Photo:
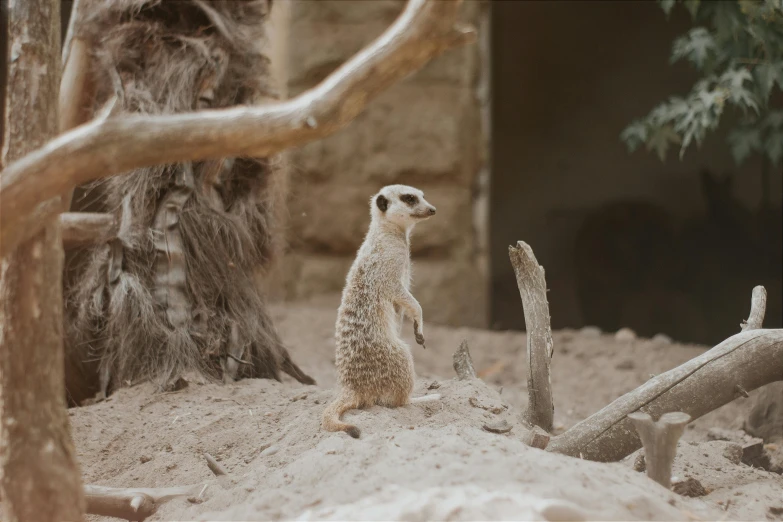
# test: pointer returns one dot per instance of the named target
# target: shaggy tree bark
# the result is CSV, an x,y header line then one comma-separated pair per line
x,y
40,476
425,29
540,347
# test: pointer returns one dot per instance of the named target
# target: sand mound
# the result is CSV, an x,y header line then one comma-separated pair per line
x,y
428,461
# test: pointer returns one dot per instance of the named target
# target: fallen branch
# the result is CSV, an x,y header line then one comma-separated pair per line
x,y
532,289
134,504
750,359
424,30
87,228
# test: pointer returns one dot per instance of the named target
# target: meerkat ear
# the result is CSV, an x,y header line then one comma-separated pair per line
x,y
382,203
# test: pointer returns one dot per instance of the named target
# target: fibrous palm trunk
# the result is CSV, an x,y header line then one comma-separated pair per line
x,y
176,290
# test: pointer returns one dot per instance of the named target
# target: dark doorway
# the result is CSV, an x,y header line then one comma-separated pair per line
x,y
625,239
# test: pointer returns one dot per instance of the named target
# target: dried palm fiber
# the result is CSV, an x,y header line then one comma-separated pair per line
x,y
176,291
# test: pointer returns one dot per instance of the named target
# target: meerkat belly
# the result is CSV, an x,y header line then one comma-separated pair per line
x,y
370,357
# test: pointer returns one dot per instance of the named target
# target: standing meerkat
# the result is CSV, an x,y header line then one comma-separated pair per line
x,y
374,365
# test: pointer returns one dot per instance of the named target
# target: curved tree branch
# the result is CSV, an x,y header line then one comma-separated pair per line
x,y
425,29
758,309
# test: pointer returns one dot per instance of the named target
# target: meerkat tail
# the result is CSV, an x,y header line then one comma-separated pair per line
x,y
332,414
425,398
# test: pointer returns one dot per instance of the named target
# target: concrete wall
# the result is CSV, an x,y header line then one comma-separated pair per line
x,y
426,131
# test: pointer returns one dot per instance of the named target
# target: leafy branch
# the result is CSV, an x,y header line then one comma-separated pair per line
x,y
737,46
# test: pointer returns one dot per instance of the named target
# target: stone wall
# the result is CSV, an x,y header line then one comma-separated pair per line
x,y
427,131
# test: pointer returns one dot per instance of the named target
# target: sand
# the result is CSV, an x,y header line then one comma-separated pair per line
x,y
429,461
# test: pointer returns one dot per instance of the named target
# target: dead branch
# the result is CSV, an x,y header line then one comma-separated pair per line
x,y
532,289
660,442
425,29
87,228
214,466
133,503
758,309
463,364
749,359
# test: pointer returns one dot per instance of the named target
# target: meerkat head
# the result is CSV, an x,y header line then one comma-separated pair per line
x,y
402,205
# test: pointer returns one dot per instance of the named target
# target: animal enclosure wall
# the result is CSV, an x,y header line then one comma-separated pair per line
x,y
426,131
625,239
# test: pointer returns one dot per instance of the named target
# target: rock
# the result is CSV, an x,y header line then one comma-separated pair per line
x,y
624,335
752,451
591,332
733,452
690,487
271,450
639,463
498,427
765,419
662,339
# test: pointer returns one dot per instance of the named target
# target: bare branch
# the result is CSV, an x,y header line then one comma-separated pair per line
x,y
133,503
532,289
87,228
758,308
424,30
749,359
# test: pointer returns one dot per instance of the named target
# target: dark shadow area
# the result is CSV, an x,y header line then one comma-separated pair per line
x,y
626,240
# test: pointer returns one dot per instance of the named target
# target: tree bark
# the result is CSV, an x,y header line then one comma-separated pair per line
x,y
87,228
40,476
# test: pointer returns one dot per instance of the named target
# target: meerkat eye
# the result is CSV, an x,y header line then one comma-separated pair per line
x,y
409,199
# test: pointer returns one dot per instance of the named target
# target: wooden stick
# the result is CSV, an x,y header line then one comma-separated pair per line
x,y
540,347
758,309
132,503
463,364
87,228
750,359
660,442
215,466
424,30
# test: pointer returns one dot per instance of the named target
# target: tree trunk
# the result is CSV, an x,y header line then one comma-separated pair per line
x,y
40,477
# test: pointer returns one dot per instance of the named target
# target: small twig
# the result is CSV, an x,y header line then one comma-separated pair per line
x,y
215,466
131,503
237,359
660,442
741,391
463,364
758,308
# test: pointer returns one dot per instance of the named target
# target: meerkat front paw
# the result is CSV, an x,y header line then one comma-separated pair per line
x,y
419,335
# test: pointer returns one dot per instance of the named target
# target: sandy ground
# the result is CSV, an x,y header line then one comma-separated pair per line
x,y
430,461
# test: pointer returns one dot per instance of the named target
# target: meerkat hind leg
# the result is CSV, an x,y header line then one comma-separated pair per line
x,y
425,398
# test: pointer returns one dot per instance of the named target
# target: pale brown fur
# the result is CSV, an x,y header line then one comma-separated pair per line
x,y
374,365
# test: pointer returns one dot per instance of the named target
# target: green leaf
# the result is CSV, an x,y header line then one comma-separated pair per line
x,y
767,75
666,5
696,46
744,141
734,81
634,135
660,140
774,147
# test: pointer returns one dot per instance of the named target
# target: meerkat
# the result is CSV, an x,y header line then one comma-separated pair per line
x,y
374,364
